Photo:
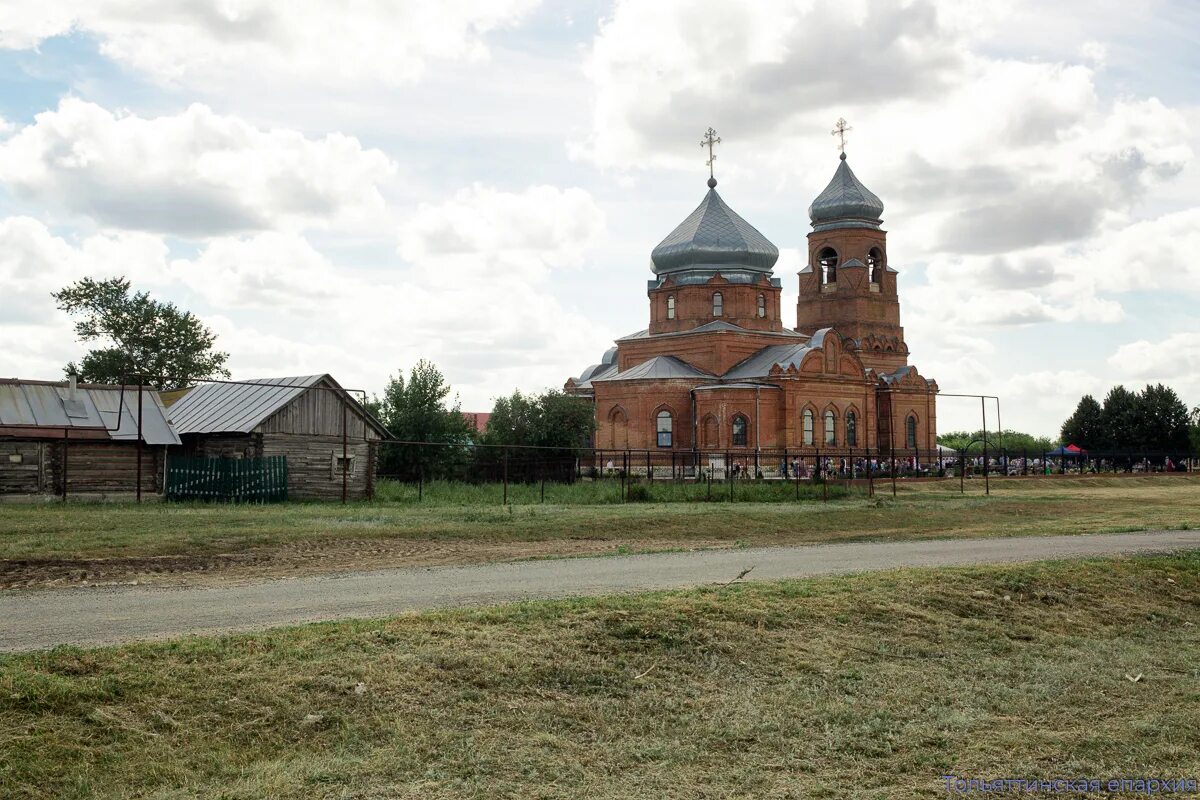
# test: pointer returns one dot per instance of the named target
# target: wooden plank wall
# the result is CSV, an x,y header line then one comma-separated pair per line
x,y
317,412
106,468
93,468
310,462
22,467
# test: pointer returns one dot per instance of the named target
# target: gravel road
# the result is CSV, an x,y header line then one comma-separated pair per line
x,y
95,616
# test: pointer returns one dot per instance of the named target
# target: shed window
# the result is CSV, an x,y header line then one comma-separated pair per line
x,y
830,428
718,305
665,426
851,429
670,306
808,426
910,431
739,431
762,306
338,464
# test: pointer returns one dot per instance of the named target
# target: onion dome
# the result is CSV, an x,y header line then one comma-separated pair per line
x,y
845,203
714,239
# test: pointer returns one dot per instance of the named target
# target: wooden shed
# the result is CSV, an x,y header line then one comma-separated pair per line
x,y
81,440
310,420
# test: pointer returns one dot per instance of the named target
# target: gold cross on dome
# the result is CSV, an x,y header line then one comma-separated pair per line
x,y
839,130
710,138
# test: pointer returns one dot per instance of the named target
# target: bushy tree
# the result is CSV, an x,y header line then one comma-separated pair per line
x,y
1119,420
1162,420
418,409
1014,441
1194,431
1154,420
1084,427
552,419
555,422
145,339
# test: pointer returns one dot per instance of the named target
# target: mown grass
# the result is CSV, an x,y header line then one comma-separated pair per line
x,y
610,492
921,510
862,686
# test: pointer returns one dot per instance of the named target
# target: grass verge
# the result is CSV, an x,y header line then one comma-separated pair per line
x,y
861,686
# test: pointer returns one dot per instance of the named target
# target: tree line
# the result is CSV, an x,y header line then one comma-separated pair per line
x,y
1154,420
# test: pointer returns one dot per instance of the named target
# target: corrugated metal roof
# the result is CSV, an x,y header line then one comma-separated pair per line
x,y
241,407
45,404
658,367
236,407
759,365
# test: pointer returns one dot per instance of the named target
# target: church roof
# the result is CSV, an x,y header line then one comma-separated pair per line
x,y
659,367
845,203
711,238
759,365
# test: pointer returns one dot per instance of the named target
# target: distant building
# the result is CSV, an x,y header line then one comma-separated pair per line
x,y
310,420
477,420
80,440
717,369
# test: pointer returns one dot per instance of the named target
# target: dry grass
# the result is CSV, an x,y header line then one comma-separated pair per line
x,y
863,686
1048,506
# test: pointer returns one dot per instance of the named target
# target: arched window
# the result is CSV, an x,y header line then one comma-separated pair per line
x,y
875,264
808,426
718,304
762,306
851,429
665,426
830,428
670,306
910,431
739,431
827,262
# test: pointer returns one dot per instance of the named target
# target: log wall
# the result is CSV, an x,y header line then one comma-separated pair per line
x,y
313,466
92,468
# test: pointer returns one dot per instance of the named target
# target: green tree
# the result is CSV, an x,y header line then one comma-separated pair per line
x,y
419,410
1162,420
166,346
552,419
1119,426
1014,442
1084,427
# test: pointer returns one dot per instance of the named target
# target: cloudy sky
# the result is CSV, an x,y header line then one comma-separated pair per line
x,y
348,187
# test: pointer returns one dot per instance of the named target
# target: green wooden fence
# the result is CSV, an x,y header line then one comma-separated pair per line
x,y
227,480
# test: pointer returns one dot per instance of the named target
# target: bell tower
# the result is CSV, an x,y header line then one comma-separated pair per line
x,y
847,284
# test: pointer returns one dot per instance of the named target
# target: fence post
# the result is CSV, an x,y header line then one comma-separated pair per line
x,y
729,475
66,447
505,477
139,440
345,456
892,450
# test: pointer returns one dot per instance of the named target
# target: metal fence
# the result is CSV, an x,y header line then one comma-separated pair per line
x,y
227,480
865,469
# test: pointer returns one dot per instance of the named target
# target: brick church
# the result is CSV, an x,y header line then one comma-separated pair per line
x,y
717,369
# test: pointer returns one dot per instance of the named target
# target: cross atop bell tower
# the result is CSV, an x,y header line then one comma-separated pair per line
x,y
839,130
710,139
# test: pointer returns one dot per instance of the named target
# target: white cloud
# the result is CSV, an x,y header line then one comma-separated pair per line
x,y
381,41
486,231
193,174
1171,360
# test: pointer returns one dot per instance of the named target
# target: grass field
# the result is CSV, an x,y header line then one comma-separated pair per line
x,y
863,686
55,544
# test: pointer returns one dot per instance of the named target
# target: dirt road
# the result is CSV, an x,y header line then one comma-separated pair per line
x,y
92,616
